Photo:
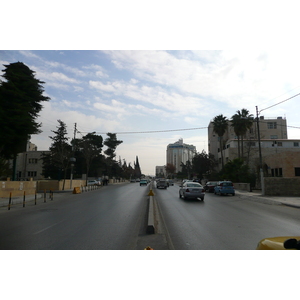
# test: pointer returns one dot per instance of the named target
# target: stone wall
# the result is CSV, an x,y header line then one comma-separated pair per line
x,y
282,186
242,186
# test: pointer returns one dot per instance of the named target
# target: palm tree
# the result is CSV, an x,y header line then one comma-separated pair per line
x,y
220,124
236,124
241,122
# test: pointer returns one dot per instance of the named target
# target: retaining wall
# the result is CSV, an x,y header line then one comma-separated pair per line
x,y
282,186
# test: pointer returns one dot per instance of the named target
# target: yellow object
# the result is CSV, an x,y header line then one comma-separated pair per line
x,y
275,243
76,190
148,248
150,193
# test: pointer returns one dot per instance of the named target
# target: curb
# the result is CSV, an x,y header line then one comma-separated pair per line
x,y
151,212
151,227
262,199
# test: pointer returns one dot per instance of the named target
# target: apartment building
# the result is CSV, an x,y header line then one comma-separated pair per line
x,y
178,153
160,171
280,155
29,164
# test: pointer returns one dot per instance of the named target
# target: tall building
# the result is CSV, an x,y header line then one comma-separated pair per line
x,y
178,153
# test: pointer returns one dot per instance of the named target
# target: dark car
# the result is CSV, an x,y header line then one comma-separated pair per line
x,y
210,186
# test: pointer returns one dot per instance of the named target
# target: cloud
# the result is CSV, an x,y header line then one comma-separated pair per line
x,y
235,78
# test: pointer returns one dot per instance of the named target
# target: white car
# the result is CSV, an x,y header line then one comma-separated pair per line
x,y
93,182
190,190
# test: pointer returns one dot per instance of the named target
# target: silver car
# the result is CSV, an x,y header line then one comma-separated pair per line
x,y
189,190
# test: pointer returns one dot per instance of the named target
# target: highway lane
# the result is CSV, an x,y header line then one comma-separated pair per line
x,y
222,222
109,218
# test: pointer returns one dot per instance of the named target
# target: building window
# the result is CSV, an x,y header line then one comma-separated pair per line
x,y
32,160
272,125
296,144
297,171
32,174
276,172
273,137
279,144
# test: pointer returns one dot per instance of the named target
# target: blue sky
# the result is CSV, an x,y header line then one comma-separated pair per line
x,y
137,91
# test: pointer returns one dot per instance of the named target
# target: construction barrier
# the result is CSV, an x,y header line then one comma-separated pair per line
x,y
76,190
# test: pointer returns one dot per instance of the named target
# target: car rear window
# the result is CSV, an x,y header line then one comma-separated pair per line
x,y
227,184
193,185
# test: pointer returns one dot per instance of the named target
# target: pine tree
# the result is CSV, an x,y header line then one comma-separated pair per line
x,y
21,95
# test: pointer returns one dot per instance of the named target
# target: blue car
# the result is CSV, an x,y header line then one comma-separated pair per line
x,y
224,188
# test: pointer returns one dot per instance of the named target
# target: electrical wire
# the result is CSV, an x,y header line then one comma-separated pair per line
x,y
152,131
279,102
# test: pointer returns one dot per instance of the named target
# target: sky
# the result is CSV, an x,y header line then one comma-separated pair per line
x,y
151,98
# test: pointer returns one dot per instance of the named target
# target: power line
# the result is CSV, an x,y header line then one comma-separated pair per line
x,y
152,131
279,102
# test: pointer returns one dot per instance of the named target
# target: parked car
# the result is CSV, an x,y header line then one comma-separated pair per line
x,y
161,184
224,188
192,190
210,186
93,182
143,182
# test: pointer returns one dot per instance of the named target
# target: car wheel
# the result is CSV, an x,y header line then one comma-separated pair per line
x,y
179,195
233,194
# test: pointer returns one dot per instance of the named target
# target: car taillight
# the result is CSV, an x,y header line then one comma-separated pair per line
x,y
203,191
187,190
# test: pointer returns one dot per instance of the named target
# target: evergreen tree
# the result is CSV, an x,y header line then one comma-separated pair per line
x,y
203,163
21,95
57,162
90,146
137,169
111,143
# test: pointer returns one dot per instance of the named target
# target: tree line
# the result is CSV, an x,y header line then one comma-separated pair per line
x,y
84,156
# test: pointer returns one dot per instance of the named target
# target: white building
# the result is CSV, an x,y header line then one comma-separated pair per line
x,y
178,153
160,171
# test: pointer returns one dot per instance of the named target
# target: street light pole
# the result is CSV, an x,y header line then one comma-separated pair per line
x,y
260,156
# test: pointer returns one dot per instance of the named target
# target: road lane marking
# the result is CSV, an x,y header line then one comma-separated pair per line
x,y
47,227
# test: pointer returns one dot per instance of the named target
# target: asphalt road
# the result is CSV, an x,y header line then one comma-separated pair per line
x,y
222,222
110,218
115,218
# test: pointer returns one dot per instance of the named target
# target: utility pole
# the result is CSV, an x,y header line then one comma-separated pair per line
x,y
75,129
73,159
260,156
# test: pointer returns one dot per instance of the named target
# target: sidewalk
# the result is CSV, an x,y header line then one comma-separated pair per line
x,y
40,196
272,200
30,198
